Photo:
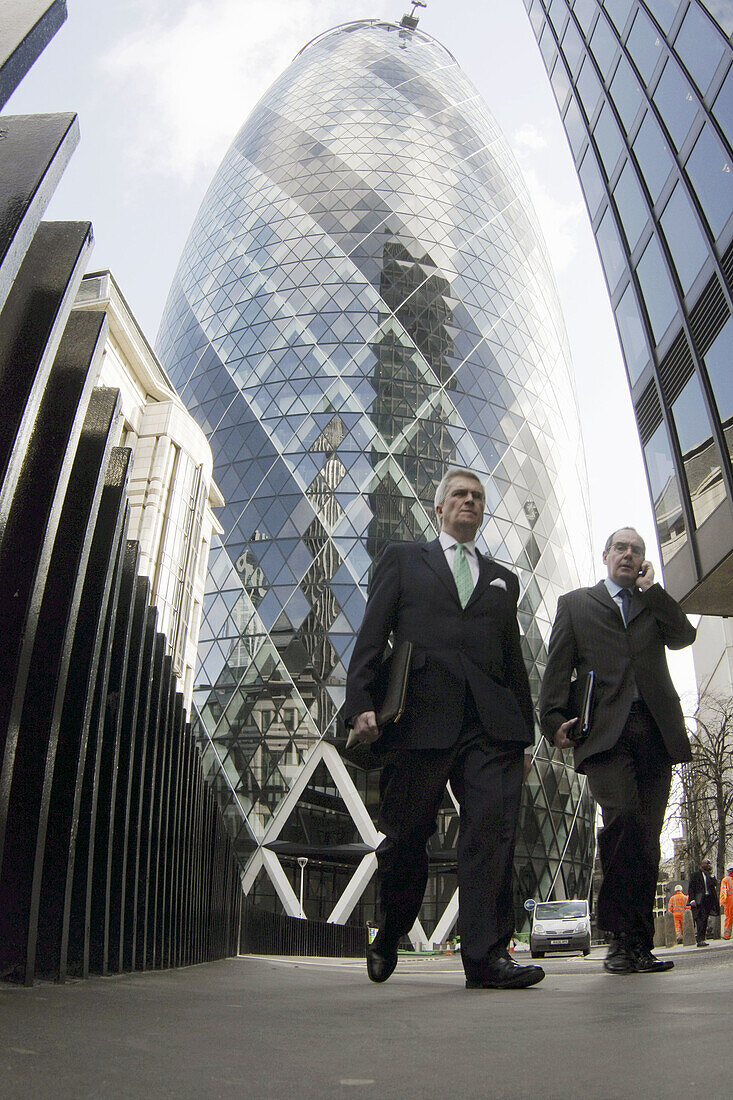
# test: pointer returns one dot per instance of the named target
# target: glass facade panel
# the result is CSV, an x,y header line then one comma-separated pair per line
x,y
574,127
604,45
685,239
700,46
709,169
608,140
366,287
585,10
558,12
722,13
626,93
700,456
618,10
572,47
718,360
676,102
631,204
663,11
723,106
560,83
645,45
591,182
659,297
665,490
653,156
589,88
609,246
631,331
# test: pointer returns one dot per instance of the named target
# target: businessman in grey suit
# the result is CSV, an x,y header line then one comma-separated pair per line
x,y
468,718
619,629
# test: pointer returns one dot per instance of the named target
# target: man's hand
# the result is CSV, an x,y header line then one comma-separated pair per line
x,y
366,728
562,741
646,576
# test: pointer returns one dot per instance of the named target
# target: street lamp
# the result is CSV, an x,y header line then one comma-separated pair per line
x,y
302,862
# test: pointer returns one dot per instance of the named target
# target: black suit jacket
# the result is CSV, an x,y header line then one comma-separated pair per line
x,y
696,893
413,596
589,633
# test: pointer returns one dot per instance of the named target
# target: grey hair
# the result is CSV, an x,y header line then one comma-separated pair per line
x,y
456,471
613,534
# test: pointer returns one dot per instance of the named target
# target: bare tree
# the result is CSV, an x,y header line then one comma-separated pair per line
x,y
706,783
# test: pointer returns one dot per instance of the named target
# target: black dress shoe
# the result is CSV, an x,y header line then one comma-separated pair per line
x,y
504,973
646,963
381,957
619,959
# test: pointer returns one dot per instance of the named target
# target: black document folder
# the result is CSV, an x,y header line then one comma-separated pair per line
x,y
390,694
581,706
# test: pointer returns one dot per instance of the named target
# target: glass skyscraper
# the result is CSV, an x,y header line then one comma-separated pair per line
x,y
645,90
365,299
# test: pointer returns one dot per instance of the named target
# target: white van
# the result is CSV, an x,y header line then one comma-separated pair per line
x,y
560,926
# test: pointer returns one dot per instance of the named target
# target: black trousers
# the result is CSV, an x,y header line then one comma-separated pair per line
x,y
702,913
631,784
486,778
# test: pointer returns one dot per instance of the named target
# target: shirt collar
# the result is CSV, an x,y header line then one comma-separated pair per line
x,y
447,541
612,587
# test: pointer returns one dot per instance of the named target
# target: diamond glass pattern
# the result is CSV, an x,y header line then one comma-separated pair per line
x,y
365,298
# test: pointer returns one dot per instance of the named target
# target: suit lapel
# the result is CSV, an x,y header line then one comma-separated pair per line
x,y
485,574
600,592
435,556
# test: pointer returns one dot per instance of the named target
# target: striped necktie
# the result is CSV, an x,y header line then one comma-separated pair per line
x,y
625,603
462,574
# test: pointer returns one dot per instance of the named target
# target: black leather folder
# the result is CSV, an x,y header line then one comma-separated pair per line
x,y
390,694
581,706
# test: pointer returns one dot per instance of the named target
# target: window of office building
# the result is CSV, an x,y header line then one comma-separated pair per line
x,y
604,44
663,11
676,102
608,139
645,45
618,10
626,93
684,237
723,106
665,490
558,13
591,182
537,17
699,454
718,359
653,156
631,331
560,82
547,47
722,13
609,246
574,127
700,46
709,169
589,87
584,12
659,297
631,205
572,46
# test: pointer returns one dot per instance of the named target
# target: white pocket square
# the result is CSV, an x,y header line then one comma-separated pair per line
x,y
498,583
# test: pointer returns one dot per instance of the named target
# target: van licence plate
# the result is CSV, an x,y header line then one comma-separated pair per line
x,y
555,942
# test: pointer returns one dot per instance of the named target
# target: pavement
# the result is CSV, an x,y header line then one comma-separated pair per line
x,y
268,1028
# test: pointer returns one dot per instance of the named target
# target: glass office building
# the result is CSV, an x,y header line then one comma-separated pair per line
x,y
365,299
645,90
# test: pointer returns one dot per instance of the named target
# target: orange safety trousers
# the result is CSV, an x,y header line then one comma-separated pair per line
x,y
726,900
676,907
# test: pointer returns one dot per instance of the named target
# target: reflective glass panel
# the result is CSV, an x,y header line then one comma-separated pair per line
x,y
722,12
700,46
548,48
684,237
709,169
700,456
589,88
665,490
653,155
723,106
718,360
537,17
626,93
663,11
609,246
644,44
560,82
604,45
558,12
591,182
631,331
574,127
618,11
659,296
572,46
631,204
676,102
608,139
584,12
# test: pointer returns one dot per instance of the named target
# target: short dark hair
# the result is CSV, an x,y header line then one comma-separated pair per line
x,y
612,536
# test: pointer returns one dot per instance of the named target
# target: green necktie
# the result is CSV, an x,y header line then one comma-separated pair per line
x,y
462,574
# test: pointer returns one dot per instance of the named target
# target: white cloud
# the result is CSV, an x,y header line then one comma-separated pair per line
x,y
190,75
529,137
563,223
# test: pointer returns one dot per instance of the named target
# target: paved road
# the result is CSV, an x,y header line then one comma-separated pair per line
x,y
272,1029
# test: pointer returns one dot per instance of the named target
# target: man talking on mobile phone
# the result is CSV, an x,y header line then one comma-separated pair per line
x,y
619,630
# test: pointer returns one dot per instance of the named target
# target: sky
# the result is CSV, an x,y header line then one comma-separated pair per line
x,y
162,86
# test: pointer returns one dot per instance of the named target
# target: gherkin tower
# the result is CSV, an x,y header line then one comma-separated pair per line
x,y
365,298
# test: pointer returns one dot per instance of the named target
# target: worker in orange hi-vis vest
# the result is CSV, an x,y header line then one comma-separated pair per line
x,y
726,900
677,906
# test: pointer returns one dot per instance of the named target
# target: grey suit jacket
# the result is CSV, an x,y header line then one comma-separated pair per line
x,y
589,633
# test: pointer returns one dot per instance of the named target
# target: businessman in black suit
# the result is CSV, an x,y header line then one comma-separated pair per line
x,y
619,629
468,718
702,894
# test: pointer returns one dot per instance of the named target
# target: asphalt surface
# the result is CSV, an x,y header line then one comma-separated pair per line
x,y
272,1028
